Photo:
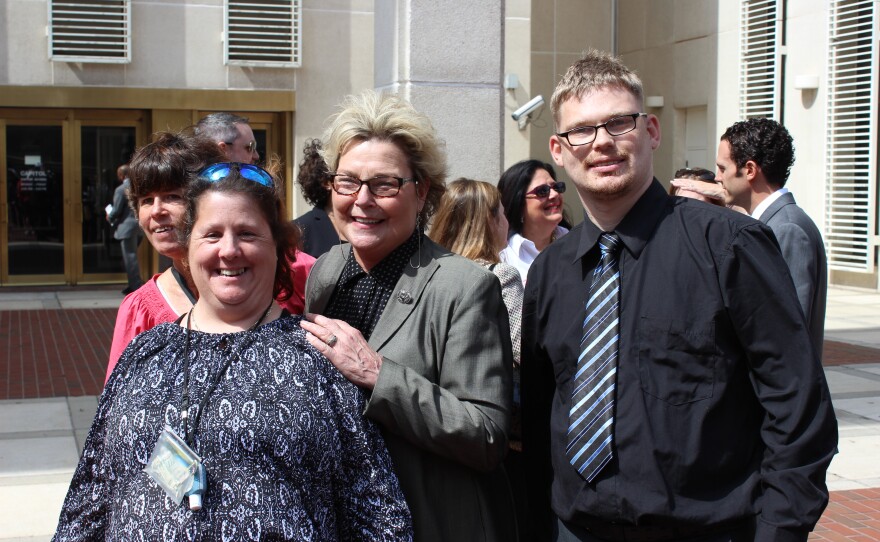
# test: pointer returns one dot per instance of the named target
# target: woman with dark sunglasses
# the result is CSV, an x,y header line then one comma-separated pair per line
x,y
160,172
532,199
227,424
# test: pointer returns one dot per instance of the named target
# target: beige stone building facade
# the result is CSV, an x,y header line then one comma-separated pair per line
x,y
73,108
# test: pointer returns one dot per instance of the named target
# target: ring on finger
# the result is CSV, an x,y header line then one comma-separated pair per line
x,y
331,342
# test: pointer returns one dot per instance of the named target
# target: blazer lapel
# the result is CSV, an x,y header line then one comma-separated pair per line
x,y
325,278
406,296
776,206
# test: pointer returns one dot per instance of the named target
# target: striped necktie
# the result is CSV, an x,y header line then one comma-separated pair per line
x,y
591,416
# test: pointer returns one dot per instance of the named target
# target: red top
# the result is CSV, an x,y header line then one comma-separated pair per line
x,y
146,307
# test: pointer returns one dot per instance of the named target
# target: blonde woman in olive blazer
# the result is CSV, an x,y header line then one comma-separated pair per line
x,y
443,393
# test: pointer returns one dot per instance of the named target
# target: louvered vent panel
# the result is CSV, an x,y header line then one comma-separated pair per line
x,y
90,31
759,64
851,152
263,33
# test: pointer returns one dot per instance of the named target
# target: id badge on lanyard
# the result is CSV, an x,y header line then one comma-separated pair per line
x,y
177,469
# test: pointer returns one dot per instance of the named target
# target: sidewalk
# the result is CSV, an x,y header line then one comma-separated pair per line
x,y
55,346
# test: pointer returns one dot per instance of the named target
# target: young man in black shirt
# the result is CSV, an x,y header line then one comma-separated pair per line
x,y
673,393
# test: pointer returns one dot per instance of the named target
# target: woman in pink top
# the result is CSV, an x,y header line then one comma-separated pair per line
x,y
159,175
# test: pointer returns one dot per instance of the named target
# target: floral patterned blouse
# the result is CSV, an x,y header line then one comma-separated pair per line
x,y
288,454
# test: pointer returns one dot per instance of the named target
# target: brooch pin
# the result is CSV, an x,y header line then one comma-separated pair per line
x,y
404,297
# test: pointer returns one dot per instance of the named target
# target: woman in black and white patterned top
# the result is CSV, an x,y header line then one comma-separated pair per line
x,y
270,435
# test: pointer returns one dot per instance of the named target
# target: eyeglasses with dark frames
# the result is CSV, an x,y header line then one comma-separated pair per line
x,y
617,126
543,191
382,186
250,147
217,172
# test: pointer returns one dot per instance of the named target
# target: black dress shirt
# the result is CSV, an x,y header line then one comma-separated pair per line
x,y
360,297
722,413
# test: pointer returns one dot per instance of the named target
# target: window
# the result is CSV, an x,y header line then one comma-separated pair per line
x,y
263,33
851,153
760,60
90,31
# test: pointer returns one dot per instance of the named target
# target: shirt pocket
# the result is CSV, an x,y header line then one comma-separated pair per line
x,y
677,360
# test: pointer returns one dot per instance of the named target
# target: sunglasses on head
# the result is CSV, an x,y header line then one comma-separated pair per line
x,y
218,172
544,190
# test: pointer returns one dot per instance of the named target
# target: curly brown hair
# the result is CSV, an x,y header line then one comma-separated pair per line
x,y
313,175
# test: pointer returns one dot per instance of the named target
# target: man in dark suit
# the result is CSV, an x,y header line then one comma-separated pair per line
x,y
127,232
754,160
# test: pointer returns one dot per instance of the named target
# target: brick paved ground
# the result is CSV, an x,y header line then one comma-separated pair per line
x,y
851,516
63,353
54,353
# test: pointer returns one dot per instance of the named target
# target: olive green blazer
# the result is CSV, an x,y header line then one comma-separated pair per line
x,y
443,395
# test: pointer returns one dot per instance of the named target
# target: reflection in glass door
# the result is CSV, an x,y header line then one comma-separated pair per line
x,y
104,149
34,178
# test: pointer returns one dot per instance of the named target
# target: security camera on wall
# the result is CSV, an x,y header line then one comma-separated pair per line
x,y
524,113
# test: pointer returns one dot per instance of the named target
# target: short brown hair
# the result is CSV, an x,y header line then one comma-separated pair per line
x,y
595,70
169,163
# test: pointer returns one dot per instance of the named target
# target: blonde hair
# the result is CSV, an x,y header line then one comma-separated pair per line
x,y
388,117
463,222
595,70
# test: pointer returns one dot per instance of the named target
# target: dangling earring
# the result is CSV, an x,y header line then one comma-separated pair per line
x,y
419,233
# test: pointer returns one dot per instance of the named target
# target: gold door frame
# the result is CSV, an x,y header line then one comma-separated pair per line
x,y
71,122
26,118
104,118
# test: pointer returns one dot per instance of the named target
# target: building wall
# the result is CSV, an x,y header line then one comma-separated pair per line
x,y
338,43
178,45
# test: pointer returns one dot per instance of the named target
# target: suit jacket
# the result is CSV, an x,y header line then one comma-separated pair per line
x,y
121,216
443,395
804,252
319,235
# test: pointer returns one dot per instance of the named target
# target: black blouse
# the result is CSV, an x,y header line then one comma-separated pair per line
x,y
360,296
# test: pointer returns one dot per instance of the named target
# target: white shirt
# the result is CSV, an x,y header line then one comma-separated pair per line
x,y
521,252
759,210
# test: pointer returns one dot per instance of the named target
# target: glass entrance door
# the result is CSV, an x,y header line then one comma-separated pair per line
x,y
34,236
59,170
103,150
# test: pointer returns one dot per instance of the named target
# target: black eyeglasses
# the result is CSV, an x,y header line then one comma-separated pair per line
x,y
544,190
217,172
584,135
383,186
250,147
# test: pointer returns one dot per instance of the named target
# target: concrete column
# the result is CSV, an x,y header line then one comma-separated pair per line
x,y
447,58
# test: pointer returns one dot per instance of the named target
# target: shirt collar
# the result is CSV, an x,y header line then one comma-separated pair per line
x,y
636,227
768,201
390,266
